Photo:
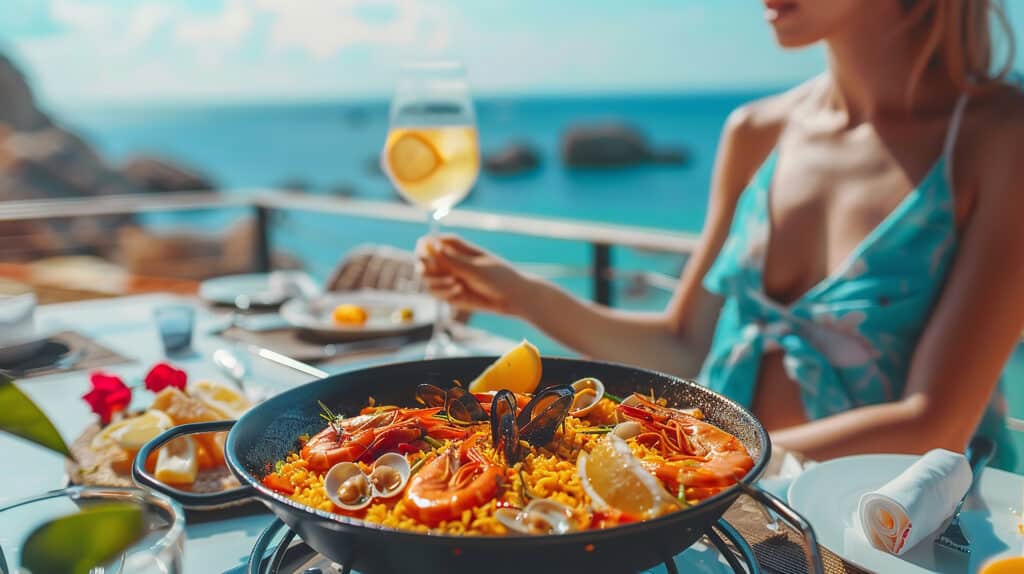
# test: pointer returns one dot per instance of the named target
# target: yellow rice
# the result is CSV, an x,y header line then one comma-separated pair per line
x,y
548,474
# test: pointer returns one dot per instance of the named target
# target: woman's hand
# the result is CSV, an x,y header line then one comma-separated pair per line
x,y
469,277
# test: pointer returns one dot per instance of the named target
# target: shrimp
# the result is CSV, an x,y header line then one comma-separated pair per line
x,y
698,456
451,482
362,438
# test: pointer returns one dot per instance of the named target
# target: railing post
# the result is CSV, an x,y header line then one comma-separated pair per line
x,y
601,273
261,243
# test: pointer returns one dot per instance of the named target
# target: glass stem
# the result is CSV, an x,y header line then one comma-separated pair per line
x,y
440,336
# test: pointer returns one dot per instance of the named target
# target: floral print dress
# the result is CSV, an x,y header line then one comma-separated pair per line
x,y
849,340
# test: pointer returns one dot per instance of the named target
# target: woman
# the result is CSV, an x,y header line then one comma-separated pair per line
x,y
860,277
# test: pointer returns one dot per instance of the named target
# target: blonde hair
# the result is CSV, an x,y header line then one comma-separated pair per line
x,y
959,37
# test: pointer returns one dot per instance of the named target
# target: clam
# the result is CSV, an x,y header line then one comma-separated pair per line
x,y
627,429
589,391
348,487
541,516
389,475
352,489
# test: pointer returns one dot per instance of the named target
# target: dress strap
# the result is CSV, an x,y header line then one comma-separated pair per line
x,y
951,134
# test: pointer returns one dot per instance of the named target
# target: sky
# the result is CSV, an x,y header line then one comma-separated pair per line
x,y
103,51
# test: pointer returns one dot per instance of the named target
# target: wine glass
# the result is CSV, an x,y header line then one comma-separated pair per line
x,y
432,154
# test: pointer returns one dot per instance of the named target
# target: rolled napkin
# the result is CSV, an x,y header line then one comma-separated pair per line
x,y
914,504
17,318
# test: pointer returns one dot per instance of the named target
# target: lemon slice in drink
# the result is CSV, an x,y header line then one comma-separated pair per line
x,y
411,158
227,401
614,478
131,433
518,370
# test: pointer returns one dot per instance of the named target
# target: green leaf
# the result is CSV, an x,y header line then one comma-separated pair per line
x,y
21,417
76,543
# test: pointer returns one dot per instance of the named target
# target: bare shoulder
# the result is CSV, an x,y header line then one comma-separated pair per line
x,y
753,129
993,137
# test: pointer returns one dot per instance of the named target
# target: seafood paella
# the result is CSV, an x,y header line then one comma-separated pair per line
x,y
549,460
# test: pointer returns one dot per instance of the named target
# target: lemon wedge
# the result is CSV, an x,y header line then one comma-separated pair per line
x,y
614,478
228,401
412,158
131,433
518,370
176,463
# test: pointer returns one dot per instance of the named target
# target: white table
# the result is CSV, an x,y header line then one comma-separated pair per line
x,y
126,326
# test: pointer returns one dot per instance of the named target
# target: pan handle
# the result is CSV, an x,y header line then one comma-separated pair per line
x,y
795,521
187,499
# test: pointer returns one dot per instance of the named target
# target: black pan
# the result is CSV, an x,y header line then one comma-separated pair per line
x,y
269,431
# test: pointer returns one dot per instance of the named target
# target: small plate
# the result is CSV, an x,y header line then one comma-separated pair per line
x,y
315,314
828,494
14,353
256,286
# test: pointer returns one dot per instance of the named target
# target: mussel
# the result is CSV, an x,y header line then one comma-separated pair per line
x,y
589,391
350,488
504,429
536,423
430,395
541,516
460,405
541,417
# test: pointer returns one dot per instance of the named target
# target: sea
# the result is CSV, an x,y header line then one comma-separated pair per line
x,y
330,146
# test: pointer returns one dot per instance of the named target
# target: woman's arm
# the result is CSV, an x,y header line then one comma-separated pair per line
x,y
675,340
973,329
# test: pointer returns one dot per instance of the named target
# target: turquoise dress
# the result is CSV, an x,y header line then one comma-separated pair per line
x,y
849,340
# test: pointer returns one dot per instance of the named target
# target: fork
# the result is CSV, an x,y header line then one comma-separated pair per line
x,y
979,452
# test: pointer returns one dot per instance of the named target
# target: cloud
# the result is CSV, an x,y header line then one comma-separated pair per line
x,y
323,28
81,16
226,28
146,20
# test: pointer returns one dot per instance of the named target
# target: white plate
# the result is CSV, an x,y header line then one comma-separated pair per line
x,y
255,286
827,495
315,314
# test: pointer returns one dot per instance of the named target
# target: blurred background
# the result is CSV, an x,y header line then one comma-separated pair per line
x,y
120,97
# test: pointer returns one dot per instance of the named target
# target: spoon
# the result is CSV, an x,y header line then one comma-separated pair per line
x,y
232,366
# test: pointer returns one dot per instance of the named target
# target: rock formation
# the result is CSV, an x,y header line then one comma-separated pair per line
x,y
514,158
613,145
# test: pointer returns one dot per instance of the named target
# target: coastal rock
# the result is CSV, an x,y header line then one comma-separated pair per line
x,y
512,159
613,145
295,184
342,189
158,174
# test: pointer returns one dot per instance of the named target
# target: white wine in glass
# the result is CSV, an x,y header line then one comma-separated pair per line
x,y
432,154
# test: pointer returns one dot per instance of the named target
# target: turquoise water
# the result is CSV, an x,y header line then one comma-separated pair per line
x,y
331,144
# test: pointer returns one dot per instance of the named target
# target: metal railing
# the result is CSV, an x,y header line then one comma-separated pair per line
x,y
602,238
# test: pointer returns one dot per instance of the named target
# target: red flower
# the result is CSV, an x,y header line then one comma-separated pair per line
x,y
163,375
108,395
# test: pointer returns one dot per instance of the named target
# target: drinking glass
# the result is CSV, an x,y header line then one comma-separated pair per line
x,y
432,154
174,323
160,551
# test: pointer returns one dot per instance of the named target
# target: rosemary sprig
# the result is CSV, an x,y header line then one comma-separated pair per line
x,y
332,418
